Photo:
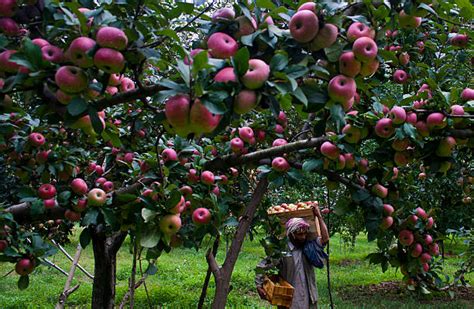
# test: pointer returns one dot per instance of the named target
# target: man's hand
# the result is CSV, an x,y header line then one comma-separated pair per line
x,y
262,293
317,212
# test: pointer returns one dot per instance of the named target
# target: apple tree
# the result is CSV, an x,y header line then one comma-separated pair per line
x,y
169,121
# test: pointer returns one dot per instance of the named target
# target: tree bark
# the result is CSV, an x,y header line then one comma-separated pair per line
x,y
105,261
215,247
222,275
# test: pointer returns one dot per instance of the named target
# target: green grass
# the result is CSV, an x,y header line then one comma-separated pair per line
x,y
181,273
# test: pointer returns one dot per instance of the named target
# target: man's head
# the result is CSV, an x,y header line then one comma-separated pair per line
x,y
297,231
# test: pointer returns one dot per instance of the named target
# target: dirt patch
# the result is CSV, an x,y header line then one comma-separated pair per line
x,y
394,290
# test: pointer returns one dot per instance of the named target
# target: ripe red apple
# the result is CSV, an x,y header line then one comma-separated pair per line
x,y
80,206
279,142
3,245
246,134
7,7
109,60
467,94
39,42
310,6
180,206
256,75
177,113
71,79
412,219
436,121
425,258
388,209
349,65
170,224
201,216
201,119
24,266
404,58
72,215
304,26
78,52
363,166
36,139
187,190
365,49
408,21
358,30
279,129
330,150
411,118
222,45
369,68
245,101
225,75
126,84
340,162
380,190
111,37
416,250
350,160
434,249
384,128
96,197
169,155
9,27
236,145
387,222
79,186
406,237
351,134
280,164
422,128
428,239
5,64
327,36
42,156
246,26
207,178
52,53
420,212
193,176
341,88
429,223
460,40
223,13
108,186
189,60
47,191
49,203
398,115
400,77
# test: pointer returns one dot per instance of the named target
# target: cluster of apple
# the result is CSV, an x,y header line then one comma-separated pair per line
x,y
417,243
8,26
361,60
284,207
304,28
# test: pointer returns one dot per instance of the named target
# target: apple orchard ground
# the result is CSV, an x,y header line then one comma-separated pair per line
x,y
177,284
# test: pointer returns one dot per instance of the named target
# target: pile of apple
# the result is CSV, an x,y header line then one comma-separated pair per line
x,y
284,207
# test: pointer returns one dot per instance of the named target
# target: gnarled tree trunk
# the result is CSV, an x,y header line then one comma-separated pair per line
x,y
105,261
222,275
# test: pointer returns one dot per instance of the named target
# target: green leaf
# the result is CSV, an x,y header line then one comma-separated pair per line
x,y
150,237
299,94
95,120
110,218
184,71
279,62
125,198
23,282
360,195
90,217
241,61
151,269
265,4
338,115
148,215
334,52
37,208
312,164
428,8
175,196
85,238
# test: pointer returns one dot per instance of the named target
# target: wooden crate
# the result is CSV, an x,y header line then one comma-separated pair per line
x,y
306,214
279,292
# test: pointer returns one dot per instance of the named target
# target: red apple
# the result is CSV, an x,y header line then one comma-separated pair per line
x,y
387,222
52,53
246,134
226,75
425,258
467,94
7,7
169,155
330,150
406,237
222,45
245,101
236,145
24,266
279,142
72,215
71,79
108,186
351,134
47,191
177,113
388,209
430,223
327,36
398,115
365,49
222,14
201,216
349,65
112,37
436,121
201,119
280,164
446,146
9,27
341,88
380,190
78,52
384,128
256,75
79,186
49,203
96,197
358,30
400,77
304,26
81,205
180,206
207,178
109,60
36,139
416,250
126,84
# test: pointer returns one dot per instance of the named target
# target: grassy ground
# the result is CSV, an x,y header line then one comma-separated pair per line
x,y
356,284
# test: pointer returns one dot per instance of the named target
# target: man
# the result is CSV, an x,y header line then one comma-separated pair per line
x,y
294,267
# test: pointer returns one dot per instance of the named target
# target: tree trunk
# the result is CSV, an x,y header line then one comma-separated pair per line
x,y
222,275
105,254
